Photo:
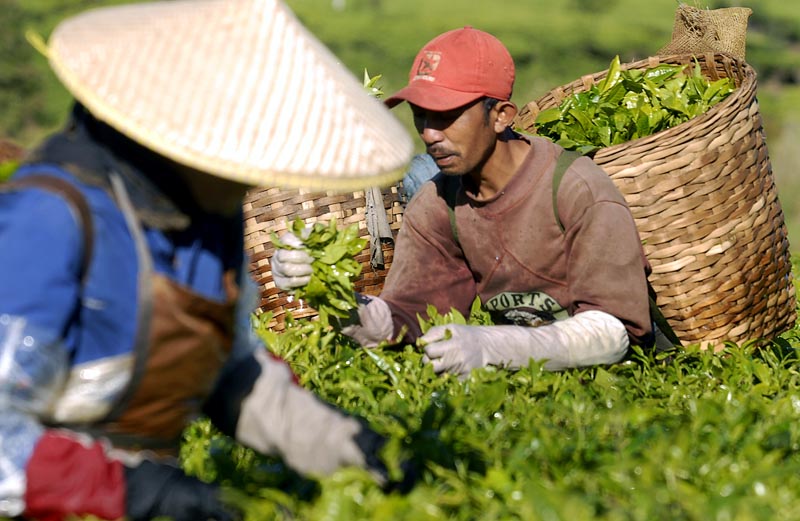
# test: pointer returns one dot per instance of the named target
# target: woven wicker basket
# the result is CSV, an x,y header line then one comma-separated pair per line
x,y
270,210
705,203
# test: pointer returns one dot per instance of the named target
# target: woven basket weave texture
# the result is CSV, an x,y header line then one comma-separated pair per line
x,y
706,206
272,209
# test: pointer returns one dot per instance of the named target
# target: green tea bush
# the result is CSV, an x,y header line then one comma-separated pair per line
x,y
690,435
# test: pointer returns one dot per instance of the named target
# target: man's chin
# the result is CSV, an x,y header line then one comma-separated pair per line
x,y
451,170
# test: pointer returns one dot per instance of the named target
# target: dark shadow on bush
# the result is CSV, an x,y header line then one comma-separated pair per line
x,y
427,445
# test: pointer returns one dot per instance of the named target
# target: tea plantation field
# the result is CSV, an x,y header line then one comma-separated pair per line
x,y
694,435
689,436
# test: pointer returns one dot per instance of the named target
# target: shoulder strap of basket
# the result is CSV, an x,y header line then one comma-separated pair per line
x,y
658,317
74,198
562,164
450,194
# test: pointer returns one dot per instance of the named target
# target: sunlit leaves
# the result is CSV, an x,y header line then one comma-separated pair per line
x,y
330,290
630,104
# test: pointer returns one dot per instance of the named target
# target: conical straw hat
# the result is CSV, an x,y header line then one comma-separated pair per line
x,y
236,88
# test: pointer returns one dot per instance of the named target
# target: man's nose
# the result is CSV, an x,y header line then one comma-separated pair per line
x,y
430,135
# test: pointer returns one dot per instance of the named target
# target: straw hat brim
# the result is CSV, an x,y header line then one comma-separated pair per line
x,y
236,88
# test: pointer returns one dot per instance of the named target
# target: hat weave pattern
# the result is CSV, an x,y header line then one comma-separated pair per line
x,y
235,88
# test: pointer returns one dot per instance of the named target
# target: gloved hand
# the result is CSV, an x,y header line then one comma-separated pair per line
x,y
154,490
588,338
291,269
281,418
370,323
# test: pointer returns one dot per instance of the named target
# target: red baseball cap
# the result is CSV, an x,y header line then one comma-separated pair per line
x,y
456,68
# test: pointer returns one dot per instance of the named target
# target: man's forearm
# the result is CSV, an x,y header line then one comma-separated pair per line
x,y
589,338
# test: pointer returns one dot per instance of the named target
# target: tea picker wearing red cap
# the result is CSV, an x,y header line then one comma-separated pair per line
x,y
486,226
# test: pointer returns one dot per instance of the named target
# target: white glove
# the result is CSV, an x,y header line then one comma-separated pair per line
x,y
371,323
291,269
281,418
589,338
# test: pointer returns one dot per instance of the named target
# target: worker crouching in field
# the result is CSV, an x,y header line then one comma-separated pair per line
x,y
543,238
125,298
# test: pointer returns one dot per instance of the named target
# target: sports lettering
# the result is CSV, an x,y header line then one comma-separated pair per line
x,y
531,308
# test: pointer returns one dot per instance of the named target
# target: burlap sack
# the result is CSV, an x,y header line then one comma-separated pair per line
x,y
698,31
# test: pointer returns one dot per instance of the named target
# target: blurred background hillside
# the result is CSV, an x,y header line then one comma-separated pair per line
x,y
552,41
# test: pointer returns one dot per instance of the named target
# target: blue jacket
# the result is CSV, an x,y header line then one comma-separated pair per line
x,y
53,322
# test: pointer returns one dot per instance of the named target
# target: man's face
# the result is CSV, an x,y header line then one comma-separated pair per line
x,y
459,140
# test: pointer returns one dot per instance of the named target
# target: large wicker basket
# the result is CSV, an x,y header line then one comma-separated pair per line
x,y
270,210
705,203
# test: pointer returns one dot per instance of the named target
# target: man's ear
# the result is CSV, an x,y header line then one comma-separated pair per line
x,y
505,112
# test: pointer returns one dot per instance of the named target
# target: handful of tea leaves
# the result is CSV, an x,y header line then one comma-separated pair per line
x,y
330,290
629,104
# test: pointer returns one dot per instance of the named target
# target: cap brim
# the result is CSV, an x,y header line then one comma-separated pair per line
x,y
431,97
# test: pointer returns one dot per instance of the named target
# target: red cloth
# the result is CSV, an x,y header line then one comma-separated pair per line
x,y
65,476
